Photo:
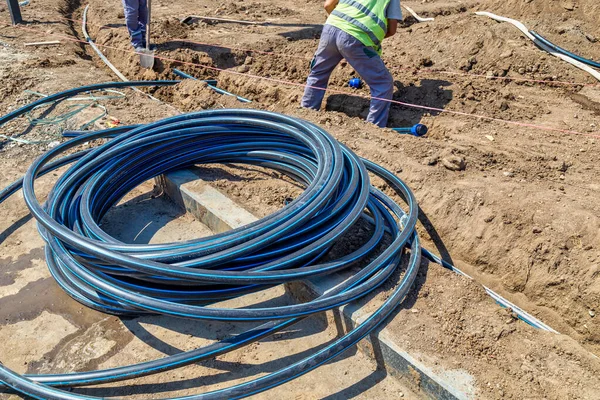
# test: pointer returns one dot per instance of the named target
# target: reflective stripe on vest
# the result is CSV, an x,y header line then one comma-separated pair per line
x,y
365,10
364,19
359,24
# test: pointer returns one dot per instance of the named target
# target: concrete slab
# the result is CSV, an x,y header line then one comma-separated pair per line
x,y
204,202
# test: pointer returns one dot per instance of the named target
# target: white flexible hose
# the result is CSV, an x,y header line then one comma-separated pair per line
x,y
414,14
541,45
96,49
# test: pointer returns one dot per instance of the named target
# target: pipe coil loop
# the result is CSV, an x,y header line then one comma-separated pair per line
x,y
183,279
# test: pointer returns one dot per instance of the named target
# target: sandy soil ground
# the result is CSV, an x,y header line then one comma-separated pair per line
x,y
522,217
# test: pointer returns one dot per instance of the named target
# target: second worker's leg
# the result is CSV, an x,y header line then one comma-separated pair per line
x,y
326,59
371,68
143,18
131,10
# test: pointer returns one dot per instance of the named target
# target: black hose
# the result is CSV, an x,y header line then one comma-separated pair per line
x,y
72,92
183,279
563,51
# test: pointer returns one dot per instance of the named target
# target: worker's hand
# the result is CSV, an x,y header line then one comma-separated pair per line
x,y
392,27
330,5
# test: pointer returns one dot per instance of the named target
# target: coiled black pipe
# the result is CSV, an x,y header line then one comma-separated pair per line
x,y
183,279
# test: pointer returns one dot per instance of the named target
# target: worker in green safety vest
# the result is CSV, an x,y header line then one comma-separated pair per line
x,y
354,31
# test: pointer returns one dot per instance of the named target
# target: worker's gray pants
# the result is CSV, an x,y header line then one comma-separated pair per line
x,y
336,44
136,18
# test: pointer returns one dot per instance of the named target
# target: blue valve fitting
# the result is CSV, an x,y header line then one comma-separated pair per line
x,y
355,83
416,130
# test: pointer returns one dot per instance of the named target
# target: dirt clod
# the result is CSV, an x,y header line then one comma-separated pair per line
x,y
454,163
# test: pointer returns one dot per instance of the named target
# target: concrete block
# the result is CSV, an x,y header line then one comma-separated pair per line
x,y
204,202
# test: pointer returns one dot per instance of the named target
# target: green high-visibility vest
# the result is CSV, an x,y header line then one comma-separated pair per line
x,y
364,19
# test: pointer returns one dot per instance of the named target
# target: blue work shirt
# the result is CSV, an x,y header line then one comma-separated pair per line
x,y
394,11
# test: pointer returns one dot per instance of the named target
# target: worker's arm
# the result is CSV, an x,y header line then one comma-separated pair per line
x,y
392,27
330,5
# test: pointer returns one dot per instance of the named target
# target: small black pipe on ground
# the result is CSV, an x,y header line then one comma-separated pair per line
x,y
15,11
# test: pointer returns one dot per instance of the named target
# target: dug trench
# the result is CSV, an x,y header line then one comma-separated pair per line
x,y
521,217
